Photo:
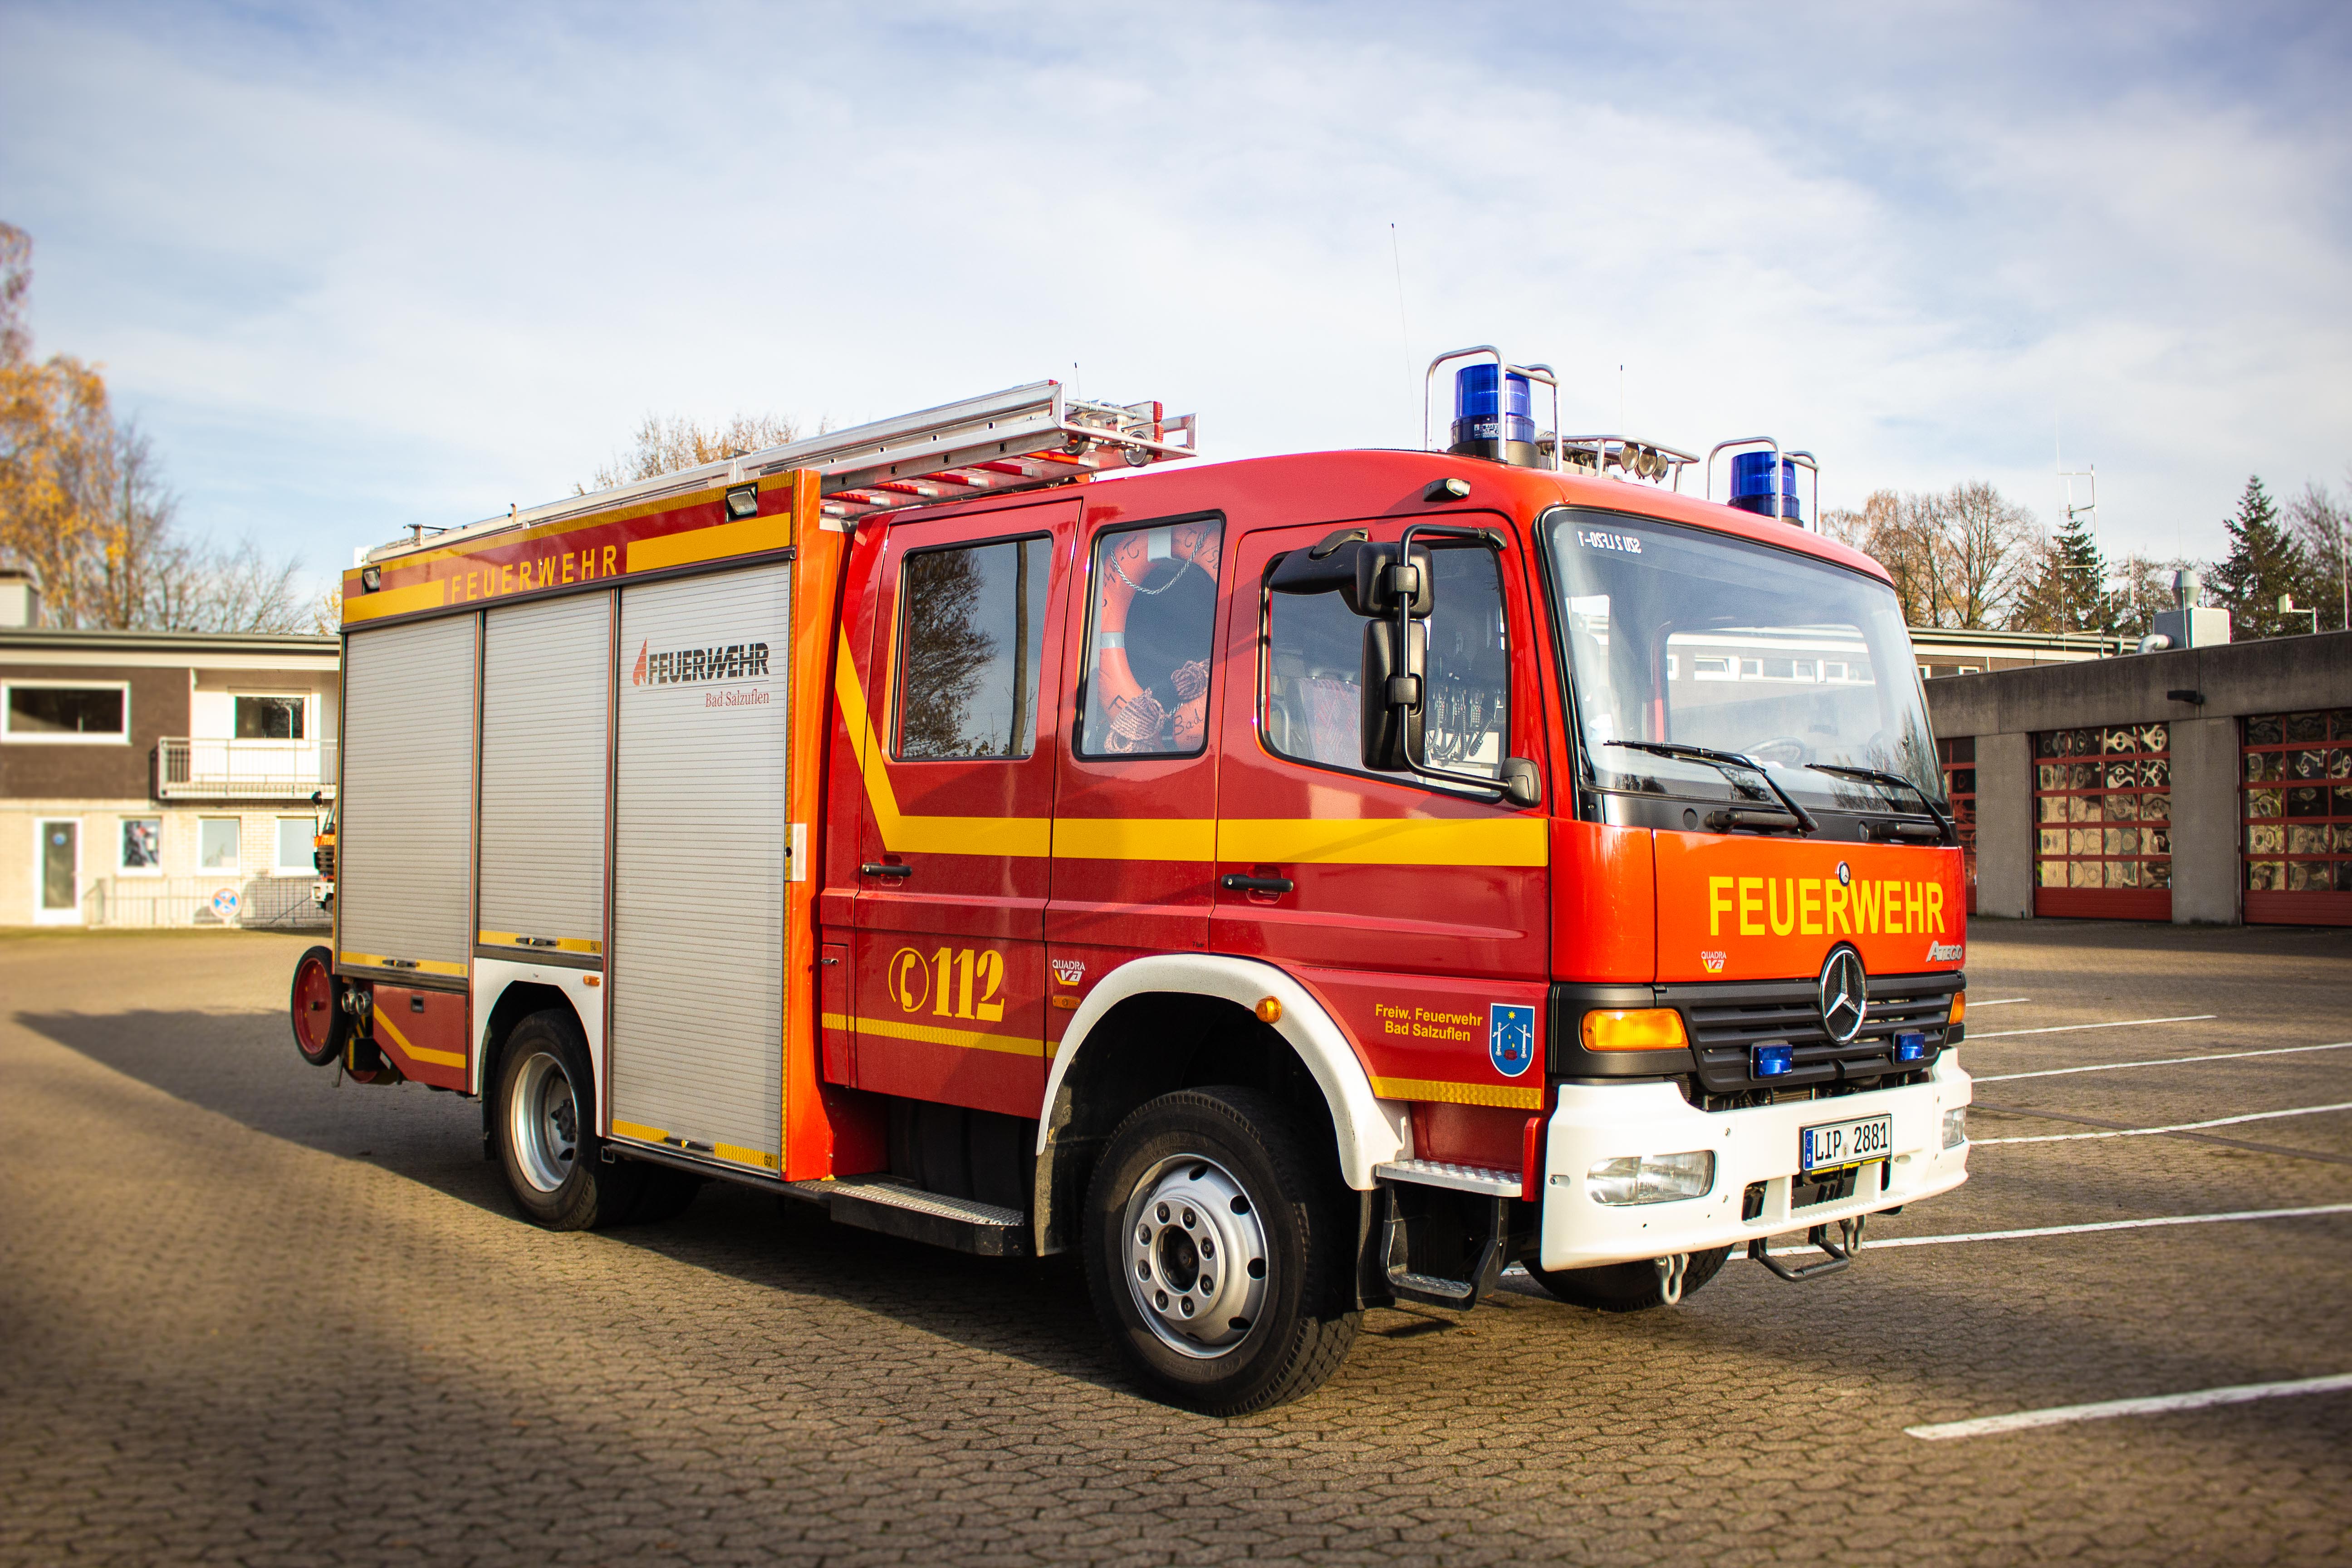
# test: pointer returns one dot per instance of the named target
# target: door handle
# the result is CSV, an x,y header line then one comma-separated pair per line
x,y
1235,882
878,868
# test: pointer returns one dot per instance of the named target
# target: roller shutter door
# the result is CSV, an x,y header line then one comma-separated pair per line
x,y
699,866
546,686
405,850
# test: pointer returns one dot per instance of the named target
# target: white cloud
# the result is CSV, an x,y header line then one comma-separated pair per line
x,y
360,272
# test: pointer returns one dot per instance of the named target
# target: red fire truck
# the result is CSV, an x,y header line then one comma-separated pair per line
x,y
1297,885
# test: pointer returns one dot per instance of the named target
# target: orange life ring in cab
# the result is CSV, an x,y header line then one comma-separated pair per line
x,y
1135,713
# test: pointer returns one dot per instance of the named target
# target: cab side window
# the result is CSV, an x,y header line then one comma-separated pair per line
x,y
1149,631
1314,701
971,633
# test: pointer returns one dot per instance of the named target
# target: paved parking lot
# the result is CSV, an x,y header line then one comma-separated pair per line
x,y
246,1315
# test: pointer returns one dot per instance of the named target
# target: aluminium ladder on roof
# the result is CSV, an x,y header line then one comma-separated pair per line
x,y
1019,439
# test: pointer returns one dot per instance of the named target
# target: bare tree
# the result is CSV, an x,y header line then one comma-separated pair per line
x,y
2319,522
1958,559
664,446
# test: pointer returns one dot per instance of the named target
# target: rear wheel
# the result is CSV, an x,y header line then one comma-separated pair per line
x,y
546,1119
1217,1251
1625,1287
320,1024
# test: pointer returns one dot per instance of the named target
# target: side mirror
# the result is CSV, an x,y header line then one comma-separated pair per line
x,y
1372,578
1522,785
1391,695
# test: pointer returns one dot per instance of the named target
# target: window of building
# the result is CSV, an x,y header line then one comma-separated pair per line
x,y
1959,759
294,849
1148,627
2297,797
2103,809
270,717
216,843
55,713
142,843
1315,665
971,636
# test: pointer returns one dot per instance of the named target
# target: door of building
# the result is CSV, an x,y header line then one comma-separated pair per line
x,y
60,859
948,962
2296,792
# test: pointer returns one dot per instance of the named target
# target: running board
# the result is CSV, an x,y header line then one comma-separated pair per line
x,y
895,1208
1454,1295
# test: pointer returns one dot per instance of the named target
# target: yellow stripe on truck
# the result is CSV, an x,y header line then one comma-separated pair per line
x,y
413,965
931,1034
438,1058
1509,1096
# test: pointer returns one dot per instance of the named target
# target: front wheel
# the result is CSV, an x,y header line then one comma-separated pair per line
x,y
546,1121
320,1024
1625,1287
1217,1252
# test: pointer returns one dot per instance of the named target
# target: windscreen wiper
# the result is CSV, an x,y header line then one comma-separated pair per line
x,y
1725,761
1947,830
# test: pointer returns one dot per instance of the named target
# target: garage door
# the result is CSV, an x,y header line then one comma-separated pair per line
x,y
2103,827
2298,796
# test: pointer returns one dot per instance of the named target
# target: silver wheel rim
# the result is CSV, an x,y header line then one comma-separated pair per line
x,y
546,1122
1195,1256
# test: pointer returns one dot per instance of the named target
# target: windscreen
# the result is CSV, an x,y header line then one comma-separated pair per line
x,y
1681,635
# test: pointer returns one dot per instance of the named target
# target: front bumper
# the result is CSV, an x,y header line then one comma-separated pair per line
x,y
1597,1122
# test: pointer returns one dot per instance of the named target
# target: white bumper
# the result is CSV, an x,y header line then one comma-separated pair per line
x,y
1600,1122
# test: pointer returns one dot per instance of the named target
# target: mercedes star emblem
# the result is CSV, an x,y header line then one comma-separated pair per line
x,y
1845,997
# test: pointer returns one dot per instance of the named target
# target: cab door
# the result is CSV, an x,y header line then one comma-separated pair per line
x,y
1418,910
948,971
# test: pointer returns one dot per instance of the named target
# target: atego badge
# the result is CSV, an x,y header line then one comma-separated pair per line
x,y
1844,995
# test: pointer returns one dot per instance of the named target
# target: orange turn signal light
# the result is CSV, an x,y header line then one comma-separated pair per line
x,y
1959,1004
1634,1030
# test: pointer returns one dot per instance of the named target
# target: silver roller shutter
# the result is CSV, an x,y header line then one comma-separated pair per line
x,y
698,865
546,687
404,847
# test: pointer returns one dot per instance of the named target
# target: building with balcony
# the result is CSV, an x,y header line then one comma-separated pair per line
x,y
163,778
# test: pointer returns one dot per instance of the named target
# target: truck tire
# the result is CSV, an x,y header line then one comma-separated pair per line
x,y
320,1024
545,1130
1624,1287
1218,1252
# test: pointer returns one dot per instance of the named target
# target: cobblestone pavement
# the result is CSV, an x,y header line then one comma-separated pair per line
x,y
248,1316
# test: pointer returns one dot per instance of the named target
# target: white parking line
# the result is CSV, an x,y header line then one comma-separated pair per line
x,y
2179,1127
2165,1062
2071,1028
2060,1416
2156,1223
2001,1001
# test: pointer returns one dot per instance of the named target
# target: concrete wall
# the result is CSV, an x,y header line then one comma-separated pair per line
x,y
2004,708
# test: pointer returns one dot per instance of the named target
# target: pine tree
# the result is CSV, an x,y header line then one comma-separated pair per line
x,y
2068,589
2265,563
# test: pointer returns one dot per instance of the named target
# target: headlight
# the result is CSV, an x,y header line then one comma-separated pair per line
x,y
1956,1127
1651,1178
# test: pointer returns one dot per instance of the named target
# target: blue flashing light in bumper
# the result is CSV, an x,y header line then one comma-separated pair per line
x,y
1910,1046
1771,1060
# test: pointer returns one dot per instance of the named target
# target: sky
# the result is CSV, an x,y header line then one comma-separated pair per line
x,y
358,266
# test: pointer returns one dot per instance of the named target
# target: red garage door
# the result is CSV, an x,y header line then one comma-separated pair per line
x,y
2103,810
2298,794
1958,756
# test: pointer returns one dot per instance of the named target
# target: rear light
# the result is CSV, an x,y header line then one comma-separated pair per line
x,y
1772,1061
1956,1127
1910,1046
1634,1030
1651,1178
1959,1006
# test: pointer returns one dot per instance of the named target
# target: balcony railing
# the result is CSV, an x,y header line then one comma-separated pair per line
x,y
203,769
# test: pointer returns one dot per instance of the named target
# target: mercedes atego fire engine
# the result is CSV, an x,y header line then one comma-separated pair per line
x,y
1297,885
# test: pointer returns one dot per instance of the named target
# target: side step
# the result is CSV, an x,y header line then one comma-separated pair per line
x,y
895,1208
1497,1187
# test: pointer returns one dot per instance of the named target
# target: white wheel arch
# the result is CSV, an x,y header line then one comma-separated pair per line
x,y
1368,1129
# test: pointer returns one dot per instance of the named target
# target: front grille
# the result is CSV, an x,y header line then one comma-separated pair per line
x,y
325,861
1728,1022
